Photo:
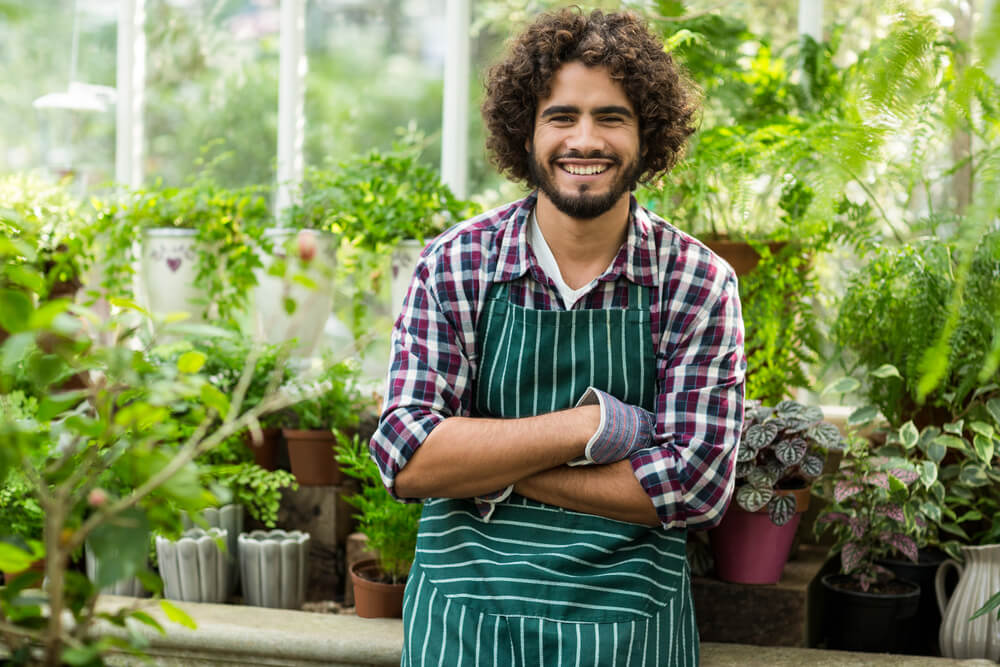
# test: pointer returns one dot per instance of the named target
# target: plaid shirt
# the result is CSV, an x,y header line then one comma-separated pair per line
x,y
696,328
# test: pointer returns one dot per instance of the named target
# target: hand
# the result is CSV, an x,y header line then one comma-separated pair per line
x,y
624,429
487,503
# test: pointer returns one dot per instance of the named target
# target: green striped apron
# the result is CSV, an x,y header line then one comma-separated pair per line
x,y
539,584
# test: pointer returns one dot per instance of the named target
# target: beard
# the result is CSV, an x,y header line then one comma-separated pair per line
x,y
581,204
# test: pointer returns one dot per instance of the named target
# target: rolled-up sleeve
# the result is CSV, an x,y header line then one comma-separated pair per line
x,y
701,365
427,382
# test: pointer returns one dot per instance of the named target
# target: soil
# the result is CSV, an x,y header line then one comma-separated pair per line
x,y
891,587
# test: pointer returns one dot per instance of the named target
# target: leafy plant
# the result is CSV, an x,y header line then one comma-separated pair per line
x,y
910,288
391,526
257,489
780,448
871,513
335,404
229,226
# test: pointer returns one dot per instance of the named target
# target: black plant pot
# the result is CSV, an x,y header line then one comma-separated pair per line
x,y
871,622
919,635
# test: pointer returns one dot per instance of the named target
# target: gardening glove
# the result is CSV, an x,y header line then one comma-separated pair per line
x,y
487,503
624,429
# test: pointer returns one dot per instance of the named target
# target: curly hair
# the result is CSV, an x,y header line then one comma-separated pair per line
x,y
664,98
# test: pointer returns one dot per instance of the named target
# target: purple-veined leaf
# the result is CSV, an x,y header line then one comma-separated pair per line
x,y
759,436
790,452
764,476
852,555
833,517
905,476
858,526
781,509
812,414
904,544
877,461
844,489
892,511
752,498
744,454
796,425
743,469
879,479
812,465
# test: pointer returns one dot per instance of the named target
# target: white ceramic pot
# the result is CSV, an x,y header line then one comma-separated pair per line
x,y
404,260
130,586
274,566
313,305
168,275
979,578
230,519
193,568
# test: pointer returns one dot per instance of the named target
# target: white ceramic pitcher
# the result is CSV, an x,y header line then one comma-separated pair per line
x,y
979,578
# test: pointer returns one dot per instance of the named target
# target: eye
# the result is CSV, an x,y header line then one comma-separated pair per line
x,y
612,120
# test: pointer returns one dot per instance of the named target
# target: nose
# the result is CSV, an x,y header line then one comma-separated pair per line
x,y
585,137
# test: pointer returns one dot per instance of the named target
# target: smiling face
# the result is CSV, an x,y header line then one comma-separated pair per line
x,y
584,153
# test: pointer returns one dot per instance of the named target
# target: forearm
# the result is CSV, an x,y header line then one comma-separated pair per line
x,y
610,491
466,456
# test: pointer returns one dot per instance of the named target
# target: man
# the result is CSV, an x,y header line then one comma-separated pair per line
x,y
570,327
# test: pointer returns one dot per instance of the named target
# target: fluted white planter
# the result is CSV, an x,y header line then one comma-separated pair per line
x,y
274,567
979,578
167,272
228,518
313,306
130,586
193,568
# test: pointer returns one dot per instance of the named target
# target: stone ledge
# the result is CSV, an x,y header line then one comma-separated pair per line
x,y
244,635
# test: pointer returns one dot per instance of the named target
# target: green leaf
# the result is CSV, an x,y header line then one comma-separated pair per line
x,y
191,362
15,559
44,369
862,415
993,407
955,427
289,304
781,509
886,371
80,657
213,398
896,486
928,473
984,448
843,386
936,451
752,498
128,304
145,618
46,313
177,615
954,442
119,545
931,511
982,428
992,603
973,475
15,310
55,404
908,435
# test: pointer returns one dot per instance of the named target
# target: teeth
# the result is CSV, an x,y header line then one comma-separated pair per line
x,y
584,171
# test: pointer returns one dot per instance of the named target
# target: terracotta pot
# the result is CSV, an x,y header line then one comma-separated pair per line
x,y
748,548
265,452
373,599
311,456
740,254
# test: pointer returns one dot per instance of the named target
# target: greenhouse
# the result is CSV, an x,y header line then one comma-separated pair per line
x,y
499,332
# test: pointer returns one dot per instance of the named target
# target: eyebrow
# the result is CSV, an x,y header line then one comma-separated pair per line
x,y
568,108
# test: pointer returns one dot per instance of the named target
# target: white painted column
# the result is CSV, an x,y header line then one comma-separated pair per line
x,y
291,101
811,19
455,121
131,87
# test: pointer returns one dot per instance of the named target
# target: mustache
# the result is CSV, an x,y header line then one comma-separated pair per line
x,y
593,155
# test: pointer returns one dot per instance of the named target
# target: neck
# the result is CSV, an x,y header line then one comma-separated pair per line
x,y
582,248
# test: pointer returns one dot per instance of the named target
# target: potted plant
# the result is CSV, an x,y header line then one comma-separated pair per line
x,y
873,513
309,424
379,203
274,567
781,451
195,247
391,529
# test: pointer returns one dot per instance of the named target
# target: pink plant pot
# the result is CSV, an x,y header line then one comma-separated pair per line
x,y
749,549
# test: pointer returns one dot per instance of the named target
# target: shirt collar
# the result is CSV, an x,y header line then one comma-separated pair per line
x,y
636,260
